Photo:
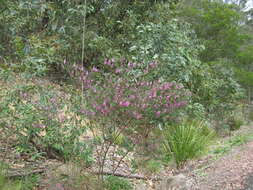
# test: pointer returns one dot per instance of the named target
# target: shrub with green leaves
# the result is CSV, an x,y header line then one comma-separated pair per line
x,y
123,105
234,123
43,33
218,24
43,118
175,46
250,115
117,183
187,141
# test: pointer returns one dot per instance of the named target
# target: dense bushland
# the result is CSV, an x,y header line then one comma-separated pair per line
x,y
135,75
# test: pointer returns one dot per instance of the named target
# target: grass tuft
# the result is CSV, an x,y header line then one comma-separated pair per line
x,y
187,141
117,183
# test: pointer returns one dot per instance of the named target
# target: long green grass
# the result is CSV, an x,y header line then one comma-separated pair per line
x,y
8,185
187,141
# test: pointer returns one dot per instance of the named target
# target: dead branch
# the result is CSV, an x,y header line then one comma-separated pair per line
x,y
131,176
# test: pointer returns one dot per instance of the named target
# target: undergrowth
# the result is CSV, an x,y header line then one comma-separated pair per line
x,y
117,183
187,141
24,183
226,146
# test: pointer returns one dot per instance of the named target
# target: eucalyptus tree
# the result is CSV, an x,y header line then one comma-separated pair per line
x,y
219,25
109,23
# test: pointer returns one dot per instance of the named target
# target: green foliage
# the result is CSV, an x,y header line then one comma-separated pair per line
x,y
153,166
218,24
245,56
116,183
172,44
238,140
50,34
44,117
45,33
175,46
6,74
243,68
220,27
7,185
250,116
148,164
219,89
187,141
235,123
221,150
196,110
193,43
25,183
28,183
244,76
40,56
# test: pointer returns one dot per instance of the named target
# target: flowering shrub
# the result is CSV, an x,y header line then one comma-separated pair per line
x,y
119,95
125,104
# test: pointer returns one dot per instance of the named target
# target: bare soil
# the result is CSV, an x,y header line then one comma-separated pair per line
x,y
231,172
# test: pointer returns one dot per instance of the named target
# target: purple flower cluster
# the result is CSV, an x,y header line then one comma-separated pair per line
x,y
116,95
109,62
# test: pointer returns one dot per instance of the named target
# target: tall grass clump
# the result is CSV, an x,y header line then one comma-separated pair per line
x,y
187,141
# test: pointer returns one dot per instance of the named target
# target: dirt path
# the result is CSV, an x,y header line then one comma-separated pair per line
x,y
231,172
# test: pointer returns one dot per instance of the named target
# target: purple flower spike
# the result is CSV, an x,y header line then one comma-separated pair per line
x,y
158,113
117,71
94,69
124,103
106,62
137,115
